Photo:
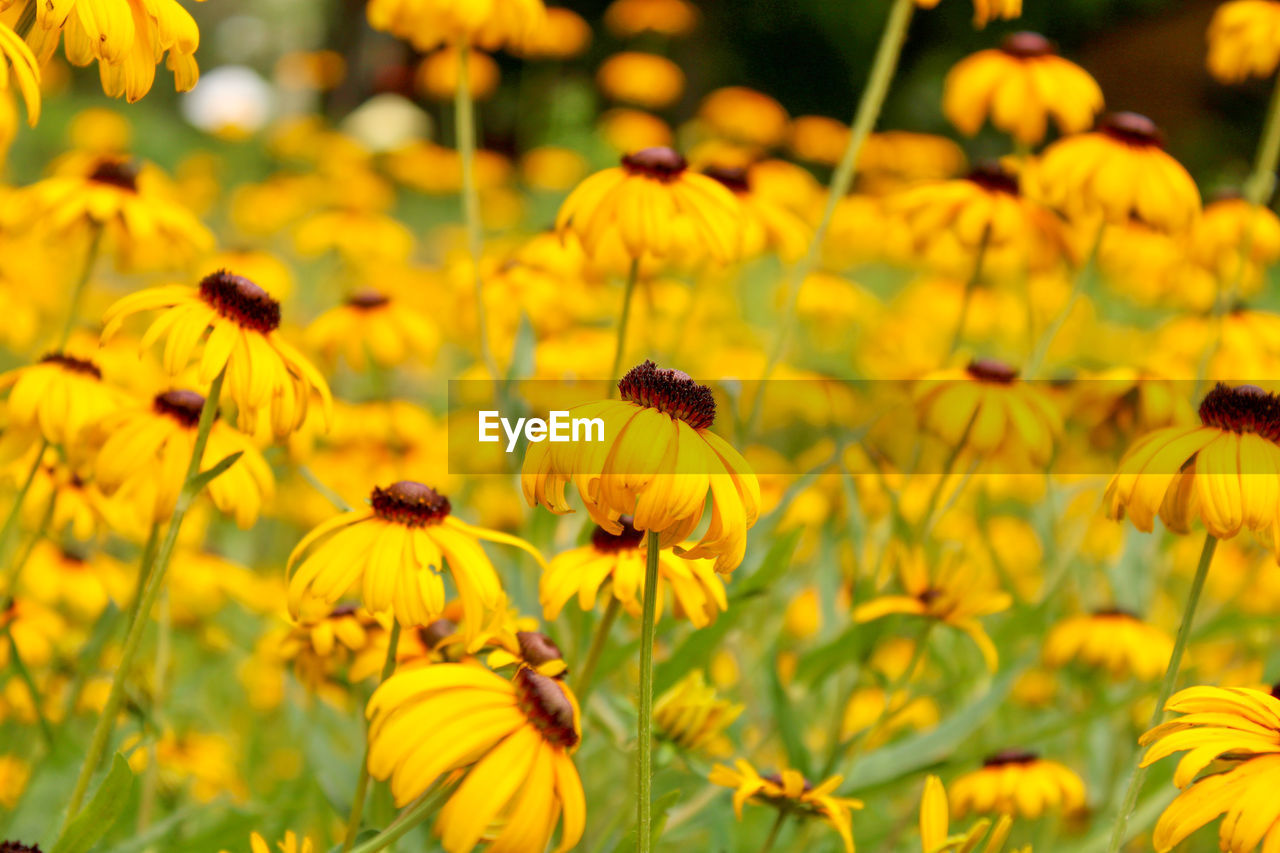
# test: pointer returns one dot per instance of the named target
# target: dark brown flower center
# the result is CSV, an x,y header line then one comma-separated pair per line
x,y
366,300
116,173
183,406
734,178
1027,45
437,632
544,702
72,364
241,301
1010,756
993,177
1116,612
609,543
1244,408
343,610
18,847
536,648
1132,129
992,370
672,392
776,778
409,503
660,163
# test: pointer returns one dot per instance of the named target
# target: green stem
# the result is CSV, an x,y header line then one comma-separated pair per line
x,y
362,784
107,718
90,259
415,814
151,776
783,814
969,286
644,736
624,320
11,520
144,572
864,121
1139,774
465,131
598,643
1086,271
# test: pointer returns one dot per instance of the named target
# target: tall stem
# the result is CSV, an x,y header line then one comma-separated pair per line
x,y
644,736
1139,774
464,115
107,718
77,294
969,286
624,320
769,840
362,784
11,520
415,814
864,121
1036,360
598,643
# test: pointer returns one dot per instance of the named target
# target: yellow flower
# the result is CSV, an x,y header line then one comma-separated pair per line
x,y
258,844
1014,782
19,65
79,507
624,129
628,18
745,115
428,24
935,821
869,707
1020,87
371,325
1222,473
1244,40
619,559
54,576
1118,172
1223,232
437,76
947,589
511,739
14,773
563,34
61,396
765,223
147,449
985,10
552,169
398,551
789,790
1115,641
639,202
205,761
896,159
658,463
265,375
643,79
693,717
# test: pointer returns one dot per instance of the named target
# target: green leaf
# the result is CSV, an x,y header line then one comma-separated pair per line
x,y
97,818
199,481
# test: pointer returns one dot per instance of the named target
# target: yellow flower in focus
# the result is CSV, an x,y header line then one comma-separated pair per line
x,y
1020,783
1237,730
659,464
643,79
237,322
691,716
397,551
935,821
745,115
630,18
511,741
258,844
372,326
488,24
765,223
1019,87
985,10
1114,641
790,791
1244,40
437,75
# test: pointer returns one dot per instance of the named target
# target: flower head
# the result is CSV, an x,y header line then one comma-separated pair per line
x,y
372,326
1114,641
1244,40
428,24
985,10
693,717
61,396
1015,782
766,224
935,821
788,789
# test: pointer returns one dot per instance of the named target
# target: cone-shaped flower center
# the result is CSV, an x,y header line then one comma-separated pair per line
x,y
1027,45
437,632
18,847
670,391
409,503
608,543
1244,408
367,300
1116,612
776,778
544,703
659,162
1010,756
72,364
733,178
993,177
992,370
116,173
241,301
1132,129
536,648
183,406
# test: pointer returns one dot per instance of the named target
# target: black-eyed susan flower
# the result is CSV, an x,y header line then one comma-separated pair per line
x,y
427,24
1019,783
1237,242
985,10
148,446
638,203
61,397
18,65
789,790
80,586
237,322
629,18
935,825
1115,641
75,503
372,326
745,115
874,714
618,559
1021,86
1244,40
437,76
643,79
624,130
896,159
765,223
1117,173
659,464
511,740
204,763
946,589
1222,472
693,717
1235,732
397,552
563,34
290,844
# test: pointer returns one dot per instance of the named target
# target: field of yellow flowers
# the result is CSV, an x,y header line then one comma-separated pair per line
x,y
662,470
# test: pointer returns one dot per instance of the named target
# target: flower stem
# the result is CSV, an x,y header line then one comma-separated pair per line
x,y
464,113
1036,360
598,643
413,815
620,349
1139,773
864,121
11,520
969,286
644,736
783,814
77,295
144,572
107,718
362,784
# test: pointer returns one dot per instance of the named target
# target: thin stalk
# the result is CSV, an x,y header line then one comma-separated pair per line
x,y
465,130
598,643
864,121
77,294
107,718
624,320
11,520
1139,774
362,784
151,776
769,839
144,572
948,468
969,286
415,814
644,735
1036,360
